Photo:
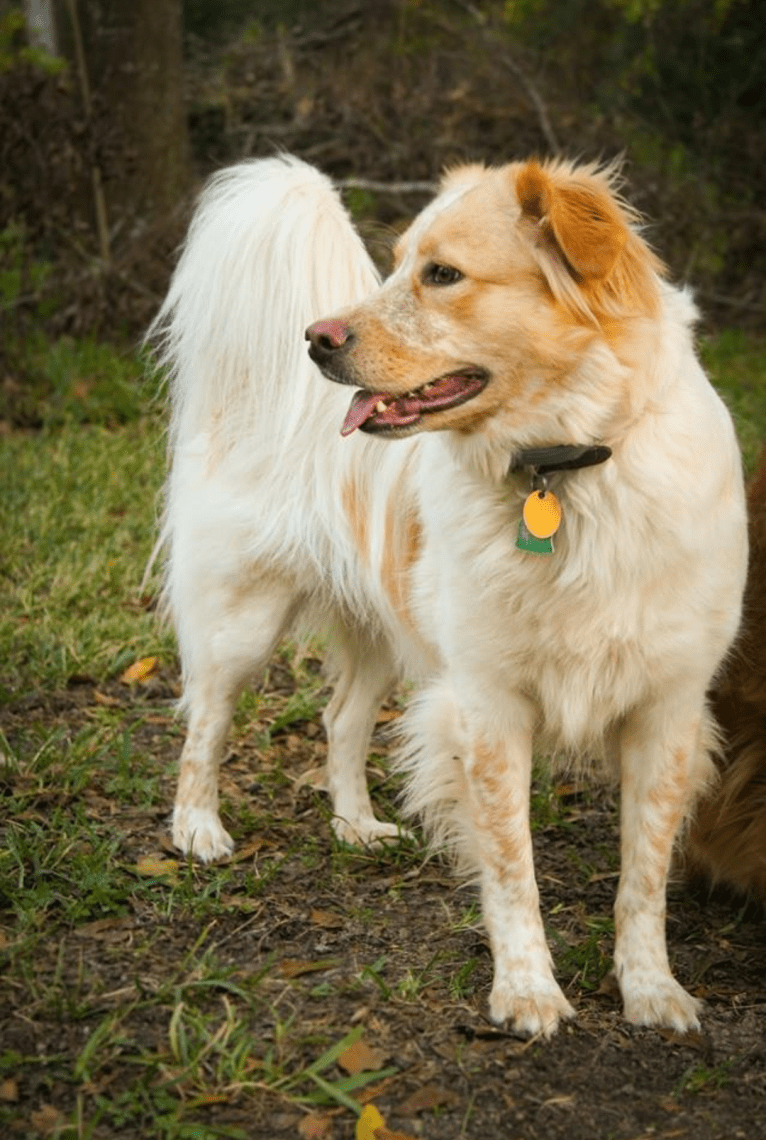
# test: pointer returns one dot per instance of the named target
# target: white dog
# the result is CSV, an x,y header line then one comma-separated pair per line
x,y
556,550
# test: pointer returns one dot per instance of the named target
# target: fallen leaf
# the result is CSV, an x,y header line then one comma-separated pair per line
x,y
327,919
361,1058
315,778
387,1134
155,867
368,1121
101,926
316,1126
244,853
293,968
46,1119
139,671
429,1096
9,1091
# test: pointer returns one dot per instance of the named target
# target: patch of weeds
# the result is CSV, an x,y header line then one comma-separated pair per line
x,y
699,1078
411,986
374,974
545,804
330,1093
586,963
470,919
61,865
461,987
134,777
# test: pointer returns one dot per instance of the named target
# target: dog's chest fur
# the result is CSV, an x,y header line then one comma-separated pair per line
x,y
587,632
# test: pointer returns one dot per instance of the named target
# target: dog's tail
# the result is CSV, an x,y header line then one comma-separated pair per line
x,y
270,249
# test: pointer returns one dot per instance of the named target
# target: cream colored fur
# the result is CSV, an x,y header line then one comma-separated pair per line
x,y
404,548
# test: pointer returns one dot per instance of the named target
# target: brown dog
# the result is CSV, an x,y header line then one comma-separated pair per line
x,y
727,842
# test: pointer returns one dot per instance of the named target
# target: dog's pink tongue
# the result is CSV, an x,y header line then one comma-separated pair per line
x,y
362,407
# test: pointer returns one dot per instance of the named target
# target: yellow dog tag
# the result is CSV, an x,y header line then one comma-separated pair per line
x,y
540,519
542,514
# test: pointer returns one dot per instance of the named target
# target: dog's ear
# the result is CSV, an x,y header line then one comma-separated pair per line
x,y
583,239
578,214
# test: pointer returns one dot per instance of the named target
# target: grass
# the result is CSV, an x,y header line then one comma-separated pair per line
x,y
136,1001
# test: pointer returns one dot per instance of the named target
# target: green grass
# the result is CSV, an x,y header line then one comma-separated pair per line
x,y
736,363
78,516
152,1035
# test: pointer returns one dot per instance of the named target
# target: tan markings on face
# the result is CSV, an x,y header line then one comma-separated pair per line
x,y
401,547
549,262
356,511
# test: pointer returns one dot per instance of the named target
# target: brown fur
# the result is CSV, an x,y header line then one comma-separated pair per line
x,y
727,842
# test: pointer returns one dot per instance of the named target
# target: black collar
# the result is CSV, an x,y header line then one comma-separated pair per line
x,y
561,457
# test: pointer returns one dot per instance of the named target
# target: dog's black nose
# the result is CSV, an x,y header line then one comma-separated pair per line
x,y
327,337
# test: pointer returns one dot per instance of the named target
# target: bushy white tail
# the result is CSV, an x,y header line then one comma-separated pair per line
x,y
269,250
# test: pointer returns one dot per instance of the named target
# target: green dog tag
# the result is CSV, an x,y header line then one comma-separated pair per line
x,y
527,541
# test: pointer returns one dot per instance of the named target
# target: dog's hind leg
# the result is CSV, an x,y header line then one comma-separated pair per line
x,y
217,667
365,673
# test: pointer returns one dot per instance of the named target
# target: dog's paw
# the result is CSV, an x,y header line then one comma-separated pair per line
x,y
367,832
532,1006
200,833
658,1000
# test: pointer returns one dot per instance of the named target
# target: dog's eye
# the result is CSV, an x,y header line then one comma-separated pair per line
x,y
434,274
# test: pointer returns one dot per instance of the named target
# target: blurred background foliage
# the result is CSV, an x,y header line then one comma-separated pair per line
x,y
389,92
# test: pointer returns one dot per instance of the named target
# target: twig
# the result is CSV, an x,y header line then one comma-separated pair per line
x,y
387,187
519,75
732,302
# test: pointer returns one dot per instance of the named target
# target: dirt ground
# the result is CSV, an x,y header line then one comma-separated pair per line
x,y
392,941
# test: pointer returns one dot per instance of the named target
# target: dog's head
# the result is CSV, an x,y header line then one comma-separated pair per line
x,y
502,288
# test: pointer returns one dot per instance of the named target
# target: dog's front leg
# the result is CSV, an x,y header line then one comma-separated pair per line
x,y
663,764
524,991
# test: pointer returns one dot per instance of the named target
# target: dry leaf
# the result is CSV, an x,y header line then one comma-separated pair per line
x,y
327,919
9,1091
368,1122
387,1134
317,1126
139,671
46,1119
292,968
315,778
429,1096
155,867
360,1058
242,854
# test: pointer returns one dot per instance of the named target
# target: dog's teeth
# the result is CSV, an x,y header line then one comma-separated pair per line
x,y
426,387
380,406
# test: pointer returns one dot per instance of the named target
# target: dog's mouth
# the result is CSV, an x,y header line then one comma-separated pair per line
x,y
377,412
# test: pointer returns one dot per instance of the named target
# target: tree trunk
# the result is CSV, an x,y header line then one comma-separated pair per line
x,y
132,76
